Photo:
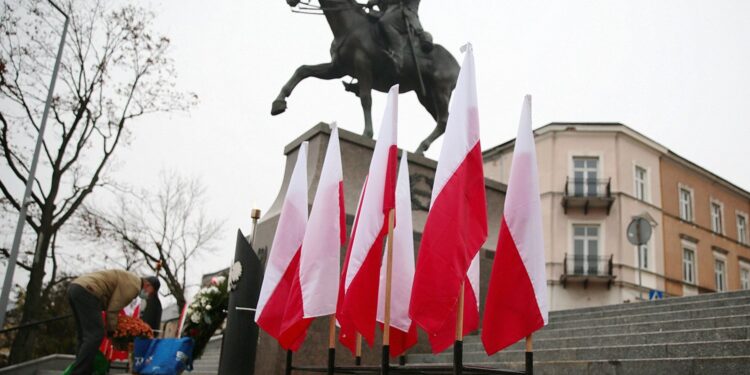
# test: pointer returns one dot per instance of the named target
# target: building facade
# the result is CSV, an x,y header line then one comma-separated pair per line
x,y
595,178
706,230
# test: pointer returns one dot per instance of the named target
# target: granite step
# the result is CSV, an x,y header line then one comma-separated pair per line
x,y
681,336
705,312
638,309
653,326
593,353
663,302
650,366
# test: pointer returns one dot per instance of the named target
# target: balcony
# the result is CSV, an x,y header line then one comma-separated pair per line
x,y
587,193
587,269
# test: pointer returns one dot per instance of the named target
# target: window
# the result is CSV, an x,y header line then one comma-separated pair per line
x,y
644,256
585,174
742,229
688,265
720,272
686,204
586,249
716,218
641,186
744,276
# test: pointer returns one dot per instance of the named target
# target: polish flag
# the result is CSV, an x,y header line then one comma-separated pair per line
x,y
517,294
181,324
403,332
314,290
456,225
282,268
358,293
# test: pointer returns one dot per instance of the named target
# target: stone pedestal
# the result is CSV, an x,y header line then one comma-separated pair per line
x,y
356,152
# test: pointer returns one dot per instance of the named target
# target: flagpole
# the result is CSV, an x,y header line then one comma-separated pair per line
x,y
288,370
529,355
331,344
458,346
255,215
358,350
385,362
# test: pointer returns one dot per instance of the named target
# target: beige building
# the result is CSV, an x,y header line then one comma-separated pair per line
x,y
594,179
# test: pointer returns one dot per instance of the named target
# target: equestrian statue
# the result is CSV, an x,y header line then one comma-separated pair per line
x,y
380,44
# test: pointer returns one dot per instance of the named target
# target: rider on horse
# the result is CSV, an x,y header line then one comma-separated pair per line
x,y
395,17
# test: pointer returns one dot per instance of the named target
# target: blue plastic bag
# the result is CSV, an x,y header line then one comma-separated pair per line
x,y
163,356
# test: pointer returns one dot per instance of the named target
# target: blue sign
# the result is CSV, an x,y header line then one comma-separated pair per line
x,y
655,294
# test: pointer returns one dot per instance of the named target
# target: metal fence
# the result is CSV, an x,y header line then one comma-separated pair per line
x,y
588,187
587,265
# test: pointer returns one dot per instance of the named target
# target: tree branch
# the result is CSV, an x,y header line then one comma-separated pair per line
x,y
6,253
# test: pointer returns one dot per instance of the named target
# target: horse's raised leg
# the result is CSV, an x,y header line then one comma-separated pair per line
x,y
365,97
437,132
321,71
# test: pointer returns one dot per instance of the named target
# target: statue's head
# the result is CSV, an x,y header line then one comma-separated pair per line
x,y
292,3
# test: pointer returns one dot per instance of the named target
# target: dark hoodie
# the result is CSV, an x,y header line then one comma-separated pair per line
x,y
152,313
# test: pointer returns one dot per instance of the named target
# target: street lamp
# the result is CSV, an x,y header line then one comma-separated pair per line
x,y
30,180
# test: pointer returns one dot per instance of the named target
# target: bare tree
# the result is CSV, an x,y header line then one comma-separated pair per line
x,y
166,229
114,69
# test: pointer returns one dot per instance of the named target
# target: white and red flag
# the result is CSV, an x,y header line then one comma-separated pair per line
x,y
403,332
315,288
516,303
282,268
456,225
358,292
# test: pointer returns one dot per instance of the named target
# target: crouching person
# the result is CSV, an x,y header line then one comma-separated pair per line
x,y
89,295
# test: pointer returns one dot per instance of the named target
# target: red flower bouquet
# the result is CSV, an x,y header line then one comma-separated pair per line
x,y
128,329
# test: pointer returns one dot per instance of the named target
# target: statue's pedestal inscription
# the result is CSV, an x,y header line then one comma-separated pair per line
x,y
356,152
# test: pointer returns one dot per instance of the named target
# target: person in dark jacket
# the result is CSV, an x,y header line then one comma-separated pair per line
x,y
151,314
89,295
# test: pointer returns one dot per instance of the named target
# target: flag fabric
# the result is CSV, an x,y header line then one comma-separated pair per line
x,y
446,336
315,288
456,225
516,303
183,316
348,334
282,268
133,309
358,293
403,332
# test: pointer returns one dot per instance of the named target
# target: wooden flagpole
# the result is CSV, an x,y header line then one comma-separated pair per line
x,y
458,346
385,360
358,351
529,355
331,344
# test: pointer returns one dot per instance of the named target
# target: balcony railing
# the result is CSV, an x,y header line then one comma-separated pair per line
x,y
587,268
587,193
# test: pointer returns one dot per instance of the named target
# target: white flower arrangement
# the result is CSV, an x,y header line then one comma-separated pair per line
x,y
206,313
201,305
195,317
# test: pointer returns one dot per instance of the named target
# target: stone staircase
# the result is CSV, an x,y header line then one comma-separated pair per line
x,y
208,364
56,363
53,364
705,334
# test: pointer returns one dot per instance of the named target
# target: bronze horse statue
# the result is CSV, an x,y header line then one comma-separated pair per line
x,y
359,50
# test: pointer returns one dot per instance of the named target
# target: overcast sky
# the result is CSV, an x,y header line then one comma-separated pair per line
x,y
676,71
